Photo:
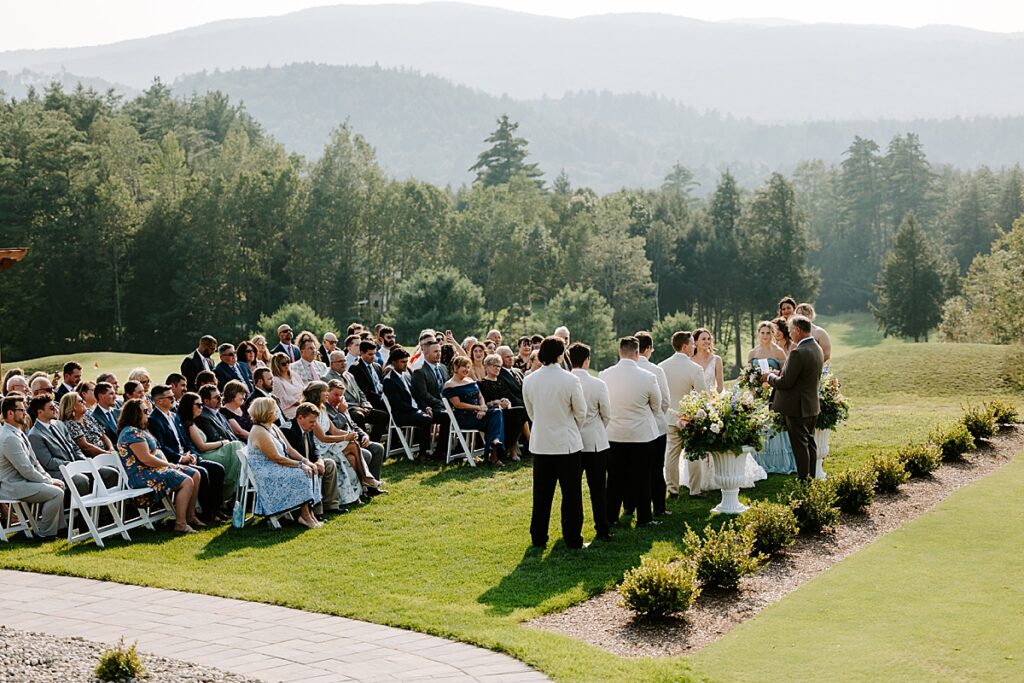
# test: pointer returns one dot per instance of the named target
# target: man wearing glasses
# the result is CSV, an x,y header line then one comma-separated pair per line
x,y
21,476
285,346
229,368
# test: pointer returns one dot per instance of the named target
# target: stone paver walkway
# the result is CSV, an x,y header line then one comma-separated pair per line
x,y
263,641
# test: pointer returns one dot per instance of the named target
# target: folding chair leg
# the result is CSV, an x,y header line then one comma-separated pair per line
x,y
119,522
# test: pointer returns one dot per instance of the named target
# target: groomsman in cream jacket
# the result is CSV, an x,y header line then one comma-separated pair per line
x,y
658,454
632,433
683,376
595,439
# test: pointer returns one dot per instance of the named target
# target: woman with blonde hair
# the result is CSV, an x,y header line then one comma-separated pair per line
x,y
83,428
262,352
287,386
471,411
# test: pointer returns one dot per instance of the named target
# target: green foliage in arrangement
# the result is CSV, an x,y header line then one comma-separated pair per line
x,y
722,556
658,588
979,421
890,473
120,663
920,460
953,441
1003,412
814,503
773,526
854,489
300,316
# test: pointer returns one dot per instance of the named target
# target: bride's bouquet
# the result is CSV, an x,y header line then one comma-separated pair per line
x,y
712,423
834,406
751,380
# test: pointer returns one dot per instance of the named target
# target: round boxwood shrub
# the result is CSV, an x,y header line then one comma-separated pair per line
x,y
979,421
890,473
1003,412
953,441
657,588
120,663
773,526
855,489
814,503
723,556
921,460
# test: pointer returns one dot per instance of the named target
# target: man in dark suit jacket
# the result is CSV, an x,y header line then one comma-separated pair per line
x,y
72,374
369,375
166,428
210,422
199,360
329,344
427,382
796,394
230,369
285,346
404,408
263,387
106,412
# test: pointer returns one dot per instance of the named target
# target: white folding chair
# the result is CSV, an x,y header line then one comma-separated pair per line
x,y
457,433
90,504
405,435
26,523
247,493
146,513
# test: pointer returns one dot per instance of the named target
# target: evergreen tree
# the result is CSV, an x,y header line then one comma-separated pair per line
x,y
858,242
680,179
910,287
908,183
505,158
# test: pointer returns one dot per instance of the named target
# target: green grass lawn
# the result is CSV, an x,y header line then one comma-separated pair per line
x,y
448,552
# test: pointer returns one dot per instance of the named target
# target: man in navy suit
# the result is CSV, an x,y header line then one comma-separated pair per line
x,y
106,412
404,409
199,360
166,428
427,382
285,346
369,375
229,368
72,373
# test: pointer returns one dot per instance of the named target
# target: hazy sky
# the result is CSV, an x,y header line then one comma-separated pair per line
x,y
63,23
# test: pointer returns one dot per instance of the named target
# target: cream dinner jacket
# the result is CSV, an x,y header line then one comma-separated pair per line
x,y
684,376
635,400
659,374
555,402
599,412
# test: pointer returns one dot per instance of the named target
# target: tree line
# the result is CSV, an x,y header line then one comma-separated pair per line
x,y
154,220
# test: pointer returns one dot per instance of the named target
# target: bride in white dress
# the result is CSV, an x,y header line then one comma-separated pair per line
x,y
700,476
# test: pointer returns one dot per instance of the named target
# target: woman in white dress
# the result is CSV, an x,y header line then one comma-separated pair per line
x,y
706,357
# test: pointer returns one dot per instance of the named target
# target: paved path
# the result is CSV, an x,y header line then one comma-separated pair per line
x,y
263,641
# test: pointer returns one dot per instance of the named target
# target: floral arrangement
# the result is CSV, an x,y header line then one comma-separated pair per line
x,y
834,406
713,423
751,380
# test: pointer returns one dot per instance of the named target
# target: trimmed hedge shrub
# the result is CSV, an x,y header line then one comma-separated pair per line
x,y
890,473
855,489
1003,413
980,422
921,460
657,588
814,503
953,441
773,526
120,663
723,556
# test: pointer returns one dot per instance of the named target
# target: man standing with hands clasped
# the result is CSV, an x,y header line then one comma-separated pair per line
x,y
796,394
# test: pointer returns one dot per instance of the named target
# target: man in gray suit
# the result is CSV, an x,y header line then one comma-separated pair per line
x,y
427,381
796,394
21,476
53,446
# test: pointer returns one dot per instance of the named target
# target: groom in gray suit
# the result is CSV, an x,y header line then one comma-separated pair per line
x,y
796,394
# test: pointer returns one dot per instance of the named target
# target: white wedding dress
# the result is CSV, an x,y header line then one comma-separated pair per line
x,y
699,476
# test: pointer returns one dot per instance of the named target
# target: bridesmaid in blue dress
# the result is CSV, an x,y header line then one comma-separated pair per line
x,y
777,456
471,412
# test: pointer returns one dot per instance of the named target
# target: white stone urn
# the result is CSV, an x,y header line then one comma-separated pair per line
x,y
728,477
821,438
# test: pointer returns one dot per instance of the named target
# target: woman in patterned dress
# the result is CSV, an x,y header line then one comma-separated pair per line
x,y
83,427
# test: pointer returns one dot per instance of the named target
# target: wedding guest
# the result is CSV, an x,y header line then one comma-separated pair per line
x,y
210,437
416,360
179,385
766,347
341,448
533,363
471,412
284,345
283,477
53,446
362,411
247,354
230,369
308,368
133,389
142,376
232,410
262,352
338,411
522,361
301,438
476,354
595,439
494,336
146,466
405,411
781,333
787,307
497,395
287,388
204,378
535,341
556,403
658,487
87,392
14,372
71,375
82,427
16,384
708,360
352,342
562,332
22,478
467,346
427,383
41,385
683,377
449,352
330,343
385,343
197,361
369,375
819,333
106,412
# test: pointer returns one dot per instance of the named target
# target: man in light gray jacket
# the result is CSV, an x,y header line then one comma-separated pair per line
x,y
683,377
53,446
21,476
595,439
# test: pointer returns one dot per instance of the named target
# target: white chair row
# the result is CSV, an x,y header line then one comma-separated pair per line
x,y
464,437
247,493
24,513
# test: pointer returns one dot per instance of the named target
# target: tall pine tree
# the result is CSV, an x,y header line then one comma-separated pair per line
x,y
505,158
910,287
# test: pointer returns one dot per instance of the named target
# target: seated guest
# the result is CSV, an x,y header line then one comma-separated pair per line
x,y
285,479
340,446
287,387
179,385
198,360
354,328
416,360
17,384
87,392
263,381
477,352
133,389
262,352
497,394
246,353
141,375
329,345
284,345
522,361
535,342
449,352
493,336
352,349
362,411
72,375
308,368
82,427
111,379
22,478
220,445
41,386
404,409
13,372
467,346
489,347
53,446
146,466
472,412
231,409
174,442
106,412
229,368
301,438
204,378
512,376
338,412
427,382
534,362
369,375
385,343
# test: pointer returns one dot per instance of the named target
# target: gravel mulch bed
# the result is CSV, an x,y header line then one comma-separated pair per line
x,y
38,658
601,622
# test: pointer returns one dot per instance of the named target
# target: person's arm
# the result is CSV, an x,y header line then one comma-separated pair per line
x,y
147,457
49,459
579,403
267,446
750,354
825,342
604,405
237,430
790,372
326,437
89,449
654,396
21,460
719,381
200,442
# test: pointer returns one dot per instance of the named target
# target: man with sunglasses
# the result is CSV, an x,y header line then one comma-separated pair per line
x,y
21,476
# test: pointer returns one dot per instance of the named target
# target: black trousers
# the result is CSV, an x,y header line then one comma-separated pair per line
x,y
211,485
374,421
657,464
805,448
515,418
422,422
565,470
444,428
596,467
629,480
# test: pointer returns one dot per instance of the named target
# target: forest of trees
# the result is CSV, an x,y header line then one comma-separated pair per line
x,y
155,220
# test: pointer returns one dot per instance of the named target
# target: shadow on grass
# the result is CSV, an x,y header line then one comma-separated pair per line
x,y
261,535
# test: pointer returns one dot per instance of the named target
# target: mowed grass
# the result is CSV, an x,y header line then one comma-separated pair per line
x,y
121,364
448,551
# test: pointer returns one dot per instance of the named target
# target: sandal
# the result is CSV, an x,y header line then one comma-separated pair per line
x,y
184,530
196,522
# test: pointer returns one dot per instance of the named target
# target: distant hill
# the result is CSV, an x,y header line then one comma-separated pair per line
x,y
17,85
774,71
430,128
